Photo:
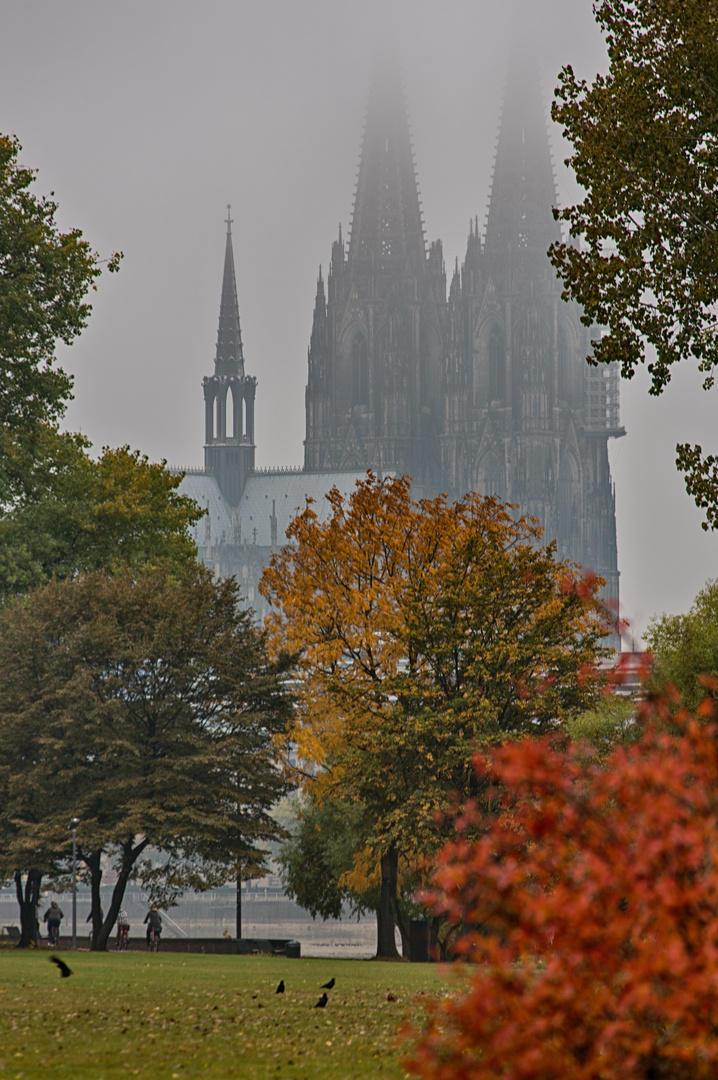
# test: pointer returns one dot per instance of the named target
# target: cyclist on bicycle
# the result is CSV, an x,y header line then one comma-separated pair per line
x,y
123,927
154,922
53,917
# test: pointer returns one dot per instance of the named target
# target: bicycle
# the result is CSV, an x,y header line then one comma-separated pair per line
x,y
53,935
154,939
123,935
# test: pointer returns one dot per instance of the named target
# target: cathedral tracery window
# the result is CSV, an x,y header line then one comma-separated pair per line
x,y
490,482
360,370
497,365
564,390
569,495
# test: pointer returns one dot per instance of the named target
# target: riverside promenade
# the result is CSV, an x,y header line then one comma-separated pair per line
x,y
266,913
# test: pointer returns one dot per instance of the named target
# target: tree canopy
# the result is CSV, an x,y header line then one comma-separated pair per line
x,y
422,630
610,723
645,150
45,276
86,514
326,866
61,511
319,853
143,704
685,647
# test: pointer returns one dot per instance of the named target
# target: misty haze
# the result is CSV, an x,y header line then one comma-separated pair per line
x,y
146,120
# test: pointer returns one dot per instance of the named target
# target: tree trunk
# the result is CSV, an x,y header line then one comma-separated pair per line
x,y
403,930
130,856
436,947
93,861
385,942
28,899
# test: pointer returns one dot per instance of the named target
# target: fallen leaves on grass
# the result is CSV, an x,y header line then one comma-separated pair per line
x,y
216,1014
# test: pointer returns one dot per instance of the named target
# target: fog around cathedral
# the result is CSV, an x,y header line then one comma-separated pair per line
x,y
146,120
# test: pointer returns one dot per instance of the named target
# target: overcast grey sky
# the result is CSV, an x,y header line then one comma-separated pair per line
x,y
147,117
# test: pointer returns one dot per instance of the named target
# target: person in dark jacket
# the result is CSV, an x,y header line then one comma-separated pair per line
x,y
154,922
53,917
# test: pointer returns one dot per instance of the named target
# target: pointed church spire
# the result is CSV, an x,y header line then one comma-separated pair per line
x,y
376,352
229,359
523,190
229,395
386,224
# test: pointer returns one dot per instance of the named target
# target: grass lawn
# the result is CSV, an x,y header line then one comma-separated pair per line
x,y
174,1016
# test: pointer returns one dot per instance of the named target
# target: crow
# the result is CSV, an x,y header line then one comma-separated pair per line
x,y
64,969
322,1002
280,988
327,986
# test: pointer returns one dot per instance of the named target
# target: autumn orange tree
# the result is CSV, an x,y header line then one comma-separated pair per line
x,y
421,631
594,907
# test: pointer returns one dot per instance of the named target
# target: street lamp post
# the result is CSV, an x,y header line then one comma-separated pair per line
x,y
74,822
239,906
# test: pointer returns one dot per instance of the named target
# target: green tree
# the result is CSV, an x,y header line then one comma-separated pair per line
x,y
319,853
423,631
645,150
325,864
685,648
143,704
610,723
120,510
45,276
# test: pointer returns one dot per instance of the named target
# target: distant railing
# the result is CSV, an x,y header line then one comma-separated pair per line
x,y
279,470
174,469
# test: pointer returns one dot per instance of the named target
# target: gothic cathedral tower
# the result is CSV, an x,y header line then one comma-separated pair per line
x,y
229,395
488,391
373,395
526,418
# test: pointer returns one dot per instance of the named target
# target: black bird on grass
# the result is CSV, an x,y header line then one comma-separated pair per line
x,y
64,969
328,986
280,988
322,1002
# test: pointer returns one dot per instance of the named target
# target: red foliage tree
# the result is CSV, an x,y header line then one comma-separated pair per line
x,y
590,909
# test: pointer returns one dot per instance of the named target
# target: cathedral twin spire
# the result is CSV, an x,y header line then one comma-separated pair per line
x,y
486,391
375,353
523,189
387,227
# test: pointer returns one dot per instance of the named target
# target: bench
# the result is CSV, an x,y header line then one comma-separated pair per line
x,y
273,946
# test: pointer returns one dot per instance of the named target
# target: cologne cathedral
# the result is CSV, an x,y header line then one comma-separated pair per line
x,y
485,388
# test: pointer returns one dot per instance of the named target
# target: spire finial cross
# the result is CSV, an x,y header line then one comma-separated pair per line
x,y
229,219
